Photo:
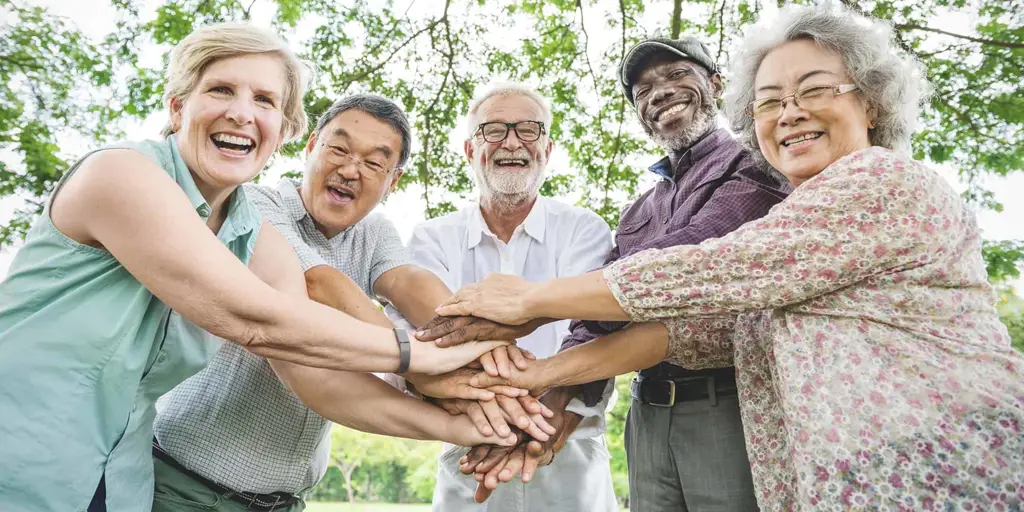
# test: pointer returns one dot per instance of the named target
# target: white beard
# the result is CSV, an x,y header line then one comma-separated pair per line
x,y
509,187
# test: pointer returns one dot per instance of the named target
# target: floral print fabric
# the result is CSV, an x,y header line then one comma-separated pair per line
x,y
873,370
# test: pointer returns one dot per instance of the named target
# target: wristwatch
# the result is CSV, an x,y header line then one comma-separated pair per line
x,y
404,350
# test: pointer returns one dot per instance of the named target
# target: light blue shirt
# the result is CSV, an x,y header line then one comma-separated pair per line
x,y
85,350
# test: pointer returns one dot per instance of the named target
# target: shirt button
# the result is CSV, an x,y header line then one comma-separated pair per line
x,y
664,221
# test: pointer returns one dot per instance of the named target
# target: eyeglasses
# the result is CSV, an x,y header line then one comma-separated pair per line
x,y
527,131
339,156
811,98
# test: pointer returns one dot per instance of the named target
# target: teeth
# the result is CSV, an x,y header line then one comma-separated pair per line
x,y
508,161
806,136
231,139
674,110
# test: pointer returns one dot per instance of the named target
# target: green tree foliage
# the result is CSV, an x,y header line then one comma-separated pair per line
x,y
368,467
615,436
431,57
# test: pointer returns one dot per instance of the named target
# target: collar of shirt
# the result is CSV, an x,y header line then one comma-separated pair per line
x,y
242,217
289,190
534,224
695,153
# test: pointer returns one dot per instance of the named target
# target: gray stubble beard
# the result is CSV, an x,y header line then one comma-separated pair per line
x,y
704,119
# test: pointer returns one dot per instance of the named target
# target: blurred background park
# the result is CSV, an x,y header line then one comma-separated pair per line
x,y
77,74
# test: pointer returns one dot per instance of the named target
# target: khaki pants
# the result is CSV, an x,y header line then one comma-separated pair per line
x,y
176,491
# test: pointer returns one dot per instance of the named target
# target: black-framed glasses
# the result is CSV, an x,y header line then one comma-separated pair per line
x,y
340,156
809,98
527,131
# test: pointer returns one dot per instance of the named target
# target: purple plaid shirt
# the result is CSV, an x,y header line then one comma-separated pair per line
x,y
714,189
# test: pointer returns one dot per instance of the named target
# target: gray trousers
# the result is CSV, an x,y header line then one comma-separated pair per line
x,y
690,457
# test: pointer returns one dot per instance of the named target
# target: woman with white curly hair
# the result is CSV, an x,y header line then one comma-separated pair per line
x,y
873,370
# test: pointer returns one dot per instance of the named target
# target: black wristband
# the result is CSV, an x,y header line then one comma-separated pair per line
x,y
404,350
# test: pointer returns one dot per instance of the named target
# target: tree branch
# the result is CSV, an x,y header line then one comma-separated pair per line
x,y
677,18
721,32
586,44
429,111
992,42
349,81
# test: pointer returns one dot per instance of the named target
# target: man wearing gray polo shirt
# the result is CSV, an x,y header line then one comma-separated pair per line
x,y
234,436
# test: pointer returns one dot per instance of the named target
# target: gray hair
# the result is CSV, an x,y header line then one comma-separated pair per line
x,y
507,89
379,107
890,82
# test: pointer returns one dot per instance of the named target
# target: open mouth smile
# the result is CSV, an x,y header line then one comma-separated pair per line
x,y
511,162
800,139
234,145
340,194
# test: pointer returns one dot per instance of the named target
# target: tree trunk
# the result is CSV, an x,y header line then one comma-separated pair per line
x,y
347,473
677,20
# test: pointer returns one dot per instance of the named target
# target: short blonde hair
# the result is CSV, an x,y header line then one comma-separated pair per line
x,y
507,89
214,42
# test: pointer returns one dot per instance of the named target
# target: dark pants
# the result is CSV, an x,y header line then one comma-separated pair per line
x,y
99,498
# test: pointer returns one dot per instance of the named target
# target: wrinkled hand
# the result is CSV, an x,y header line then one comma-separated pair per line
x,y
446,331
428,358
534,378
497,297
456,384
496,362
492,465
463,432
494,416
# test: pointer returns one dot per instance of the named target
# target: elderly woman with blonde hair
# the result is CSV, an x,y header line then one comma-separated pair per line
x,y
873,370
145,254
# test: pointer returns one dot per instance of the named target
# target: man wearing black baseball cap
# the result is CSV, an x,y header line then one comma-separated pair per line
x,y
684,437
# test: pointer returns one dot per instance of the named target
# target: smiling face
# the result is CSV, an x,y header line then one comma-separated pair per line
x,y
230,124
512,167
335,192
800,143
675,100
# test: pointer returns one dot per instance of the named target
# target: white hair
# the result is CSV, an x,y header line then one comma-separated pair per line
x,y
507,89
889,81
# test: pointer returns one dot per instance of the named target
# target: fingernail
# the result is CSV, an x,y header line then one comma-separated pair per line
x,y
527,477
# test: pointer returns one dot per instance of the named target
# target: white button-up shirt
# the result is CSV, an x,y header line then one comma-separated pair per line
x,y
555,240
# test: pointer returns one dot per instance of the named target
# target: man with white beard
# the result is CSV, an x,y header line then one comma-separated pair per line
x,y
512,230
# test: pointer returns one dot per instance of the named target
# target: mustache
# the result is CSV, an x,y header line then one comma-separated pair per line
x,y
352,185
520,154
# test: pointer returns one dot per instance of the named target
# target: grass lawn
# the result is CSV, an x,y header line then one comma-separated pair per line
x,y
365,507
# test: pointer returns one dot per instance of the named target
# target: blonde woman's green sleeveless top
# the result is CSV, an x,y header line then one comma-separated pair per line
x,y
85,351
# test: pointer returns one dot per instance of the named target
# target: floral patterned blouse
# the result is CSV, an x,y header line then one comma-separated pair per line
x,y
873,370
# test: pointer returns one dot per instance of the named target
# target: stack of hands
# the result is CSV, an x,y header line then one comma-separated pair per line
x,y
503,393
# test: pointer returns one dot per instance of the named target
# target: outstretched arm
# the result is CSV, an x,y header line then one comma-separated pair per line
x,y
123,202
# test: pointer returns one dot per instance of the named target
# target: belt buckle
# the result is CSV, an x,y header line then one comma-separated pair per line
x,y
671,393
